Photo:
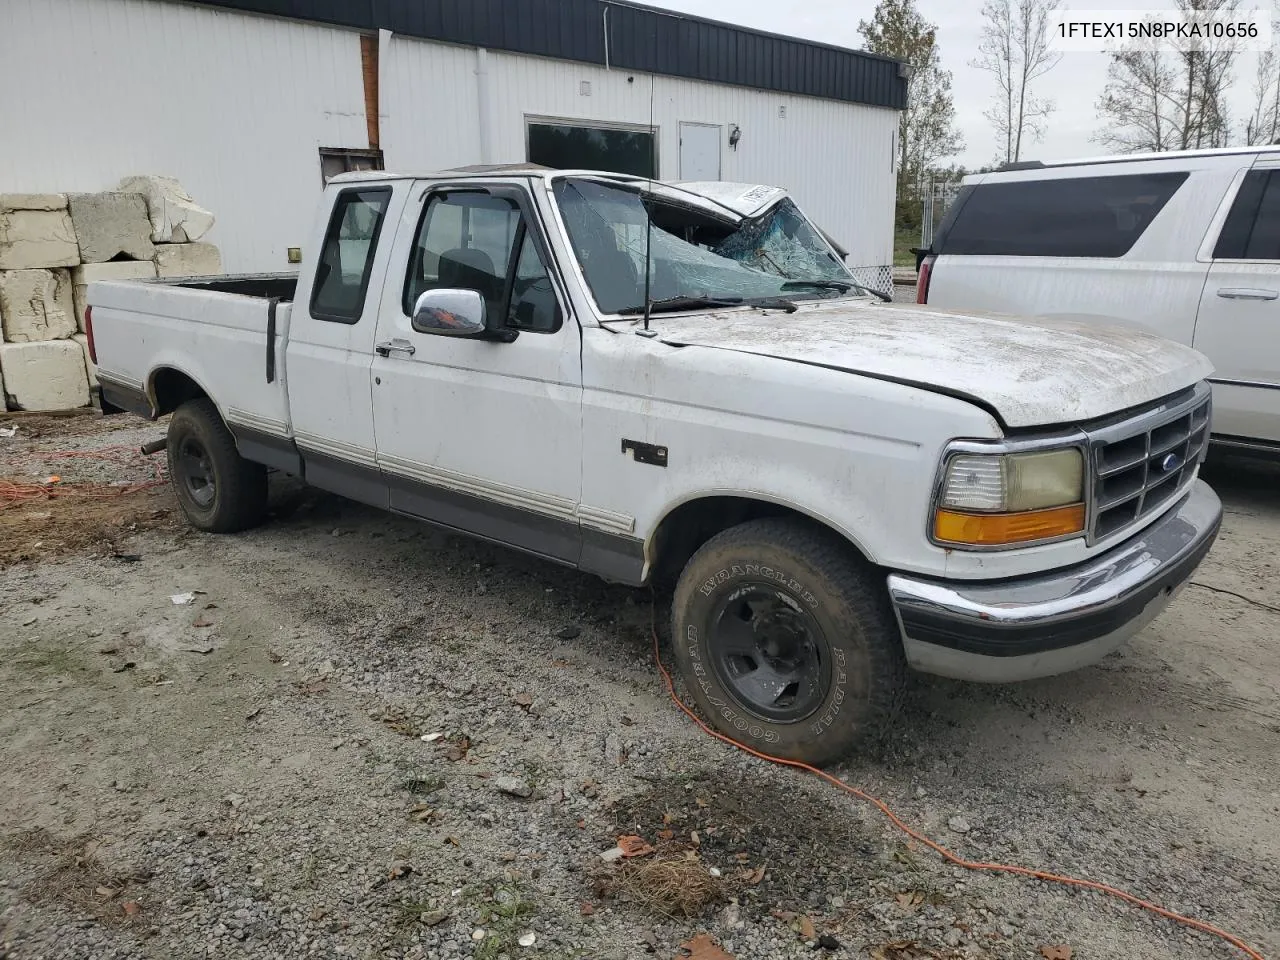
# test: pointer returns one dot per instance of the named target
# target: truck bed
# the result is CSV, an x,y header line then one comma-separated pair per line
x,y
226,333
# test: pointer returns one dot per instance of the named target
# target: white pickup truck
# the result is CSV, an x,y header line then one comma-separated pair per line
x,y
656,381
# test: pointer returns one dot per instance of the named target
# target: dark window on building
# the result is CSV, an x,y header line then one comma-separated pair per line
x,y
346,260
336,160
568,146
1076,217
1252,228
476,241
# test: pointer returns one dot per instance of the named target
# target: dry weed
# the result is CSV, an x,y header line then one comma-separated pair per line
x,y
672,885
75,879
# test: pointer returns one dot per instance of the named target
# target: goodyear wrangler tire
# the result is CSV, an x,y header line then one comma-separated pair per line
x,y
787,642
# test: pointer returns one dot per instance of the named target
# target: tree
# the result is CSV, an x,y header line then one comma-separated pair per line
x,y
1263,124
1156,101
927,133
1014,49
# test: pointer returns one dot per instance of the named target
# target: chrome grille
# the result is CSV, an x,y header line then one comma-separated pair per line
x,y
1143,462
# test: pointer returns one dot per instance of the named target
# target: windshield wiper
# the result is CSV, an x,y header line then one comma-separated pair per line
x,y
672,304
842,285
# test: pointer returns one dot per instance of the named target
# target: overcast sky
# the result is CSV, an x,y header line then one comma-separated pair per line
x,y
1074,84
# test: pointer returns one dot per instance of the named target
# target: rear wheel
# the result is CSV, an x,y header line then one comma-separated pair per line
x,y
787,641
219,491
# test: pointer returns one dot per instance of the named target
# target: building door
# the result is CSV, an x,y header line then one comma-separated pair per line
x,y
699,151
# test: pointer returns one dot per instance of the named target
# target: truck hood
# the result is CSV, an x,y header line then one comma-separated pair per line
x,y
1032,372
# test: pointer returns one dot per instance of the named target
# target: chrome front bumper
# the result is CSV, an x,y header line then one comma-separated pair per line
x,y
1009,630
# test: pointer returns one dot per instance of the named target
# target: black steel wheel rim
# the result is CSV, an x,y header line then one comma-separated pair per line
x,y
195,472
769,653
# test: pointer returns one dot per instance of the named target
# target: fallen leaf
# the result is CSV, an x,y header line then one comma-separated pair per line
x,y
202,623
422,813
742,857
694,838
312,687
318,914
807,931
666,834
909,899
702,947
754,877
633,846
700,801
786,916
458,751
255,713
453,840
666,818
400,870
131,908
582,824
1057,952
523,700
587,909
106,891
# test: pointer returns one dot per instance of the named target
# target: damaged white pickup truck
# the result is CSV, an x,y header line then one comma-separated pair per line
x,y
842,489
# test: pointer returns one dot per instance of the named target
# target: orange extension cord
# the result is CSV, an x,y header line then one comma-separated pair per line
x,y
933,845
13,493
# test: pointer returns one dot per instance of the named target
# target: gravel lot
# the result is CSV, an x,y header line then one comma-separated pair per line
x,y
363,738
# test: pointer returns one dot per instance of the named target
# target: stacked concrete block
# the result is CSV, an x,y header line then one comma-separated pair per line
x,y
111,226
187,260
175,217
147,227
90,366
36,232
36,305
48,375
88,273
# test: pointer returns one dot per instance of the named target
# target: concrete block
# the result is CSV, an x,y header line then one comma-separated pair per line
x,y
32,201
110,226
50,375
36,305
175,217
36,239
187,260
90,367
84,275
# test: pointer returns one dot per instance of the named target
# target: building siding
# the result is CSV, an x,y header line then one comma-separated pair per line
x,y
835,158
639,38
234,106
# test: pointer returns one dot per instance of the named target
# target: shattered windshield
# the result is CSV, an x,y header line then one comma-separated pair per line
x,y
695,254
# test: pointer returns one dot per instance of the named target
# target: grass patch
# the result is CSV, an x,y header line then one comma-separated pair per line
x,y
903,240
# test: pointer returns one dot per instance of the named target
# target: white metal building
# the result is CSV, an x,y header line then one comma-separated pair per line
x,y
251,103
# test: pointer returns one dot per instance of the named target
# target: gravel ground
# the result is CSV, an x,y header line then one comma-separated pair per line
x,y
363,738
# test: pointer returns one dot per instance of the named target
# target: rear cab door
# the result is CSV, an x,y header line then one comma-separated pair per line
x,y
331,337
484,435
1238,324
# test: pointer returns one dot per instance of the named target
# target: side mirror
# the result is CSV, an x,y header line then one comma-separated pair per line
x,y
450,313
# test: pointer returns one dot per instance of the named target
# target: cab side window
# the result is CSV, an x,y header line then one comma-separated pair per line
x,y
346,259
476,241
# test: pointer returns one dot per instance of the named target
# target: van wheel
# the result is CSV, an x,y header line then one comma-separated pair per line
x,y
219,490
787,641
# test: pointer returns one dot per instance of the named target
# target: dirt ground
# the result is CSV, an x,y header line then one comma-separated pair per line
x,y
347,735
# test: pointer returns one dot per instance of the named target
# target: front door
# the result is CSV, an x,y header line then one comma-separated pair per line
x,y
483,435
1238,326
699,151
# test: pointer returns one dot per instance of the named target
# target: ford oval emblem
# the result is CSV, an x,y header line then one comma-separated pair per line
x,y
1170,463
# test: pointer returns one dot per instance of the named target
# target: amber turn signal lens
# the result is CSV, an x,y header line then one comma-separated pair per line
x,y
998,529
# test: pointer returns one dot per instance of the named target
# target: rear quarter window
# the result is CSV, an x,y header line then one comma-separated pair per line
x,y
1076,217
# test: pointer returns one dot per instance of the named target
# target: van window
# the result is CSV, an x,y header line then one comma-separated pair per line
x,y
1252,228
1075,217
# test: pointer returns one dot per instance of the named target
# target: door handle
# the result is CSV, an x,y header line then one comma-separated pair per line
x,y
1247,293
387,347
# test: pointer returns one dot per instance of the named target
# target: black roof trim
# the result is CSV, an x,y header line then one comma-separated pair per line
x,y
640,38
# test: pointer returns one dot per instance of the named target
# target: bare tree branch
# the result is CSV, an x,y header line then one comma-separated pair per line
x,y
1014,49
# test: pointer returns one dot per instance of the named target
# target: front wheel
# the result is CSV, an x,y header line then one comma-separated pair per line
x,y
787,642
219,491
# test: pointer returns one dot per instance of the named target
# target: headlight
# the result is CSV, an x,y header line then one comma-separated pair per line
x,y
997,499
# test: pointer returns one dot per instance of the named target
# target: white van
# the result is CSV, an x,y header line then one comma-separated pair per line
x,y
1185,244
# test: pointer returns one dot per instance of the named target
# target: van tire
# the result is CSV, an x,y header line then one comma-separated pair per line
x,y
219,491
782,606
